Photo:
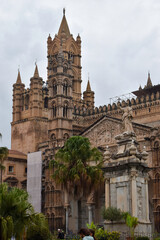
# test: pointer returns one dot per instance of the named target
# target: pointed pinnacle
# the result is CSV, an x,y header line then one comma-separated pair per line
x,y
88,89
149,82
36,74
19,77
64,27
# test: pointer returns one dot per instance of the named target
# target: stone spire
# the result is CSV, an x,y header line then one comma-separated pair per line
x,y
19,78
88,96
64,27
36,74
88,89
149,82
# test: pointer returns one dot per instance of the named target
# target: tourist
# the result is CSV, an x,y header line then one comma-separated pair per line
x,y
85,234
92,233
60,234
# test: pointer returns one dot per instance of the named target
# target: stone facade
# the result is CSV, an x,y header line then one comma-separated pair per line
x,y
48,113
126,182
15,173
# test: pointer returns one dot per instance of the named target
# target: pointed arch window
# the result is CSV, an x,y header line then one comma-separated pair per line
x,y
27,102
46,102
156,154
65,110
22,103
157,219
66,136
157,185
54,111
54,88
65,88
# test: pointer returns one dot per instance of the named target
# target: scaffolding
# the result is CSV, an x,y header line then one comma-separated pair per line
x,y
123,97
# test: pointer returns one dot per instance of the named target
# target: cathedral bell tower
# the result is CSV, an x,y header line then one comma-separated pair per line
x,y
60,99
72,52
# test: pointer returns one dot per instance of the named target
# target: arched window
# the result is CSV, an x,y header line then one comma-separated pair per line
x,y
26,102
156,154
73,85
157,219
46,102
47,195
52,227
65,88
54,88
53,137
52,196
66,136
54,110
22,103
65,110
157,185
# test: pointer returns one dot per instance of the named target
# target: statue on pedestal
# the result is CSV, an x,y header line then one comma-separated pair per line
x,y
127,118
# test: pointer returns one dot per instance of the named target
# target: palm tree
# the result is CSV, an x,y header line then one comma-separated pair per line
x,y
15,210
17,216
77,167
3,156
38,228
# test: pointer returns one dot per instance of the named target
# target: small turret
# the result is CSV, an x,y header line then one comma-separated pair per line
x,y
88,96
36,74
18,90
36,84
18,78
149,82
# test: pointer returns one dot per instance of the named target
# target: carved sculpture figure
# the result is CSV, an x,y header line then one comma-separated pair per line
x,y
127,119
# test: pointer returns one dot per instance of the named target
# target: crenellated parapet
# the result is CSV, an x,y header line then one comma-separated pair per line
x,y
146,102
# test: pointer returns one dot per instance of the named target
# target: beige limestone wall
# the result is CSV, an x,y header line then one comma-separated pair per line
x,y
27,135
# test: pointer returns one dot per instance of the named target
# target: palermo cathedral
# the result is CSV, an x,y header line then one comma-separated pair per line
x,y
47,113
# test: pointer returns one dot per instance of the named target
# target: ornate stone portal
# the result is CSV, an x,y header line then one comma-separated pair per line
x,y
126,181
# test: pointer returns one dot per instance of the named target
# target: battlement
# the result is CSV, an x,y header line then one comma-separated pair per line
x,y
143,102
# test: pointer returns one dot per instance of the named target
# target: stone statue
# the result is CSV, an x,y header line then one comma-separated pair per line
x,y
127,119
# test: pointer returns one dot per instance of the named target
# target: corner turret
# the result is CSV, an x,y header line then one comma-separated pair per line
x,y
18,91
88,96
149,82
36,84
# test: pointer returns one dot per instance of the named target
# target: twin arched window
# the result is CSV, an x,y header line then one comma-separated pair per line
x,y
54,110
54,88
65,88
65,110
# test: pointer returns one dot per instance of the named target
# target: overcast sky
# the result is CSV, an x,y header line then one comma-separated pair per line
x,y
120,44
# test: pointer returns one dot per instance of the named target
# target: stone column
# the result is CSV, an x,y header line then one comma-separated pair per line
x,y
147,200
90,203
67,222
66,206
134,193
90,216
107,202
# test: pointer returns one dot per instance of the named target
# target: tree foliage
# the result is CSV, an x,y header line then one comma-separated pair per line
x,y
38,228
132,223
78,166
14,204
112,214
17,214
3,155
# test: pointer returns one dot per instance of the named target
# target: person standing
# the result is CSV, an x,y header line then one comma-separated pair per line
x,y
60,234
85,234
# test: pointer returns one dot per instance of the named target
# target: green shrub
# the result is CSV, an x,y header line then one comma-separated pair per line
x,y
142,238
91,226
105,235
113,235
101,234
112,214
